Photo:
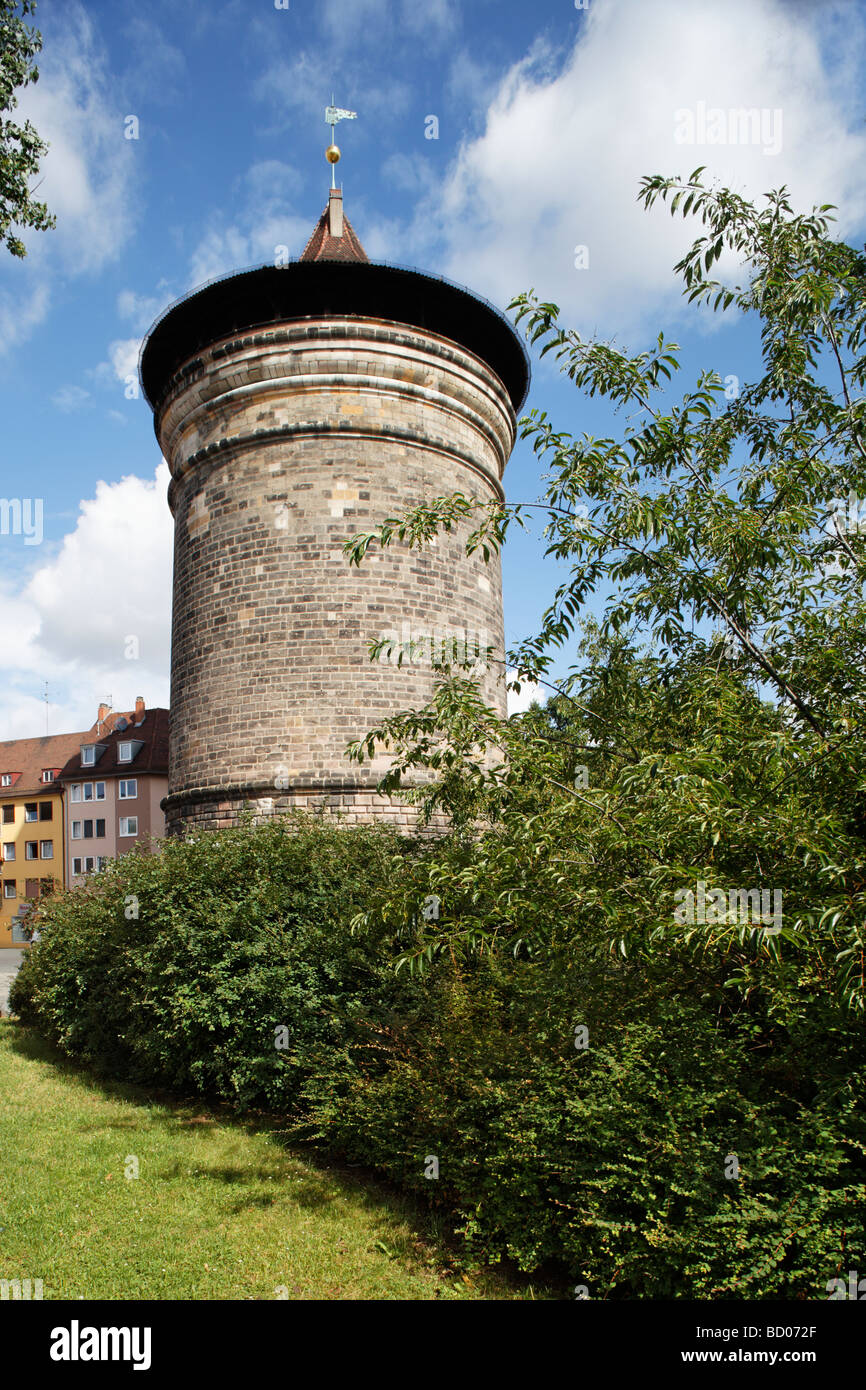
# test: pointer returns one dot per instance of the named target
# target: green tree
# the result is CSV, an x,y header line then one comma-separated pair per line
x,y
722,698
21,147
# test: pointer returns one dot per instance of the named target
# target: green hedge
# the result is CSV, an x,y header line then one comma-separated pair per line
x,y
610,1160
178,968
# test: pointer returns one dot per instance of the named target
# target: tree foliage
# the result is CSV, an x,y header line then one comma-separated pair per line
x,y
707,743
21,148
719,706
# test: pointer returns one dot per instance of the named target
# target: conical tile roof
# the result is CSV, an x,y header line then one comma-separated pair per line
x,y
322,246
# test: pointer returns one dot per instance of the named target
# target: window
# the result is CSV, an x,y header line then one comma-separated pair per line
x,y
100,829
8,851
8,815
101,862
99,791
124,752
128,789
89,864
88,791
75,791
88,830
31,888
88,755
46,810
31,810
46,849
31,849
6,779
9,890
128,825
76,866
76,830
47,774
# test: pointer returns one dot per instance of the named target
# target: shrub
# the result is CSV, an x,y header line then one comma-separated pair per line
x,y
177,968
613,1160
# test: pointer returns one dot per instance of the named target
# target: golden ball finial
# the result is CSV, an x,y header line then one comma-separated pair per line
x,y
332,154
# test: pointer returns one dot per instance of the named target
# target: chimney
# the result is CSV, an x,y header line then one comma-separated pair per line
x,y
335,212
139,710
103,711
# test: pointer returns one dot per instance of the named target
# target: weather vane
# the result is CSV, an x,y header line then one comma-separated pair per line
x,y
333,114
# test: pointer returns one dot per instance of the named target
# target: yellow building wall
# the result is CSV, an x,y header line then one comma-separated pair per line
x,y
17,832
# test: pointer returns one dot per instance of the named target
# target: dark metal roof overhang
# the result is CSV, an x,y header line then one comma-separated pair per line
x,y
252,299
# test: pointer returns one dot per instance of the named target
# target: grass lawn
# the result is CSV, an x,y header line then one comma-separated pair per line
x,y
219,1210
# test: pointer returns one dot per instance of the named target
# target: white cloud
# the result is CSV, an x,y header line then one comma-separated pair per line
x,y
109,580
70,398
22,311
86,178
437,19
264,219
269,182
566,144
123,356
122,362
89,171
292,85
295,85
157,68
383,239
224,248
346,25
411,174
471,83
140,309
530,693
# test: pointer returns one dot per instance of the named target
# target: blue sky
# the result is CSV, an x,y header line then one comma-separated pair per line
x,y
548,115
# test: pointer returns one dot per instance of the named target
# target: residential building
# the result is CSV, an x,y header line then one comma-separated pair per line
x,y
31,826
113,785
71,802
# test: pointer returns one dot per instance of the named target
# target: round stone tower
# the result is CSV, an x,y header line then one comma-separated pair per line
x,y
297,405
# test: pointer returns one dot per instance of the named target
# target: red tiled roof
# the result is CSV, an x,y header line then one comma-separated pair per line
x,y
324,247
29,756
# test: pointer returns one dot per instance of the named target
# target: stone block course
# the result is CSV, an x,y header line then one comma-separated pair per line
x,y
282,445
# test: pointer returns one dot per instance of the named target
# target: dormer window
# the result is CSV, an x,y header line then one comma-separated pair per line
x,y
129,749
48,774
6,779
88,755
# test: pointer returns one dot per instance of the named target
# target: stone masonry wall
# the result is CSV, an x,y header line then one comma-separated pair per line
x,y
282,444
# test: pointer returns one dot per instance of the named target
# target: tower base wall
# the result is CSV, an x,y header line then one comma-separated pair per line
x,y
222,808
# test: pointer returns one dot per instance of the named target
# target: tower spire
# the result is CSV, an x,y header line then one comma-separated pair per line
x,y
333,114
334,238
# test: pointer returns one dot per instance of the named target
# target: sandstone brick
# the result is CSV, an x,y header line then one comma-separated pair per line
x,y
282,444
